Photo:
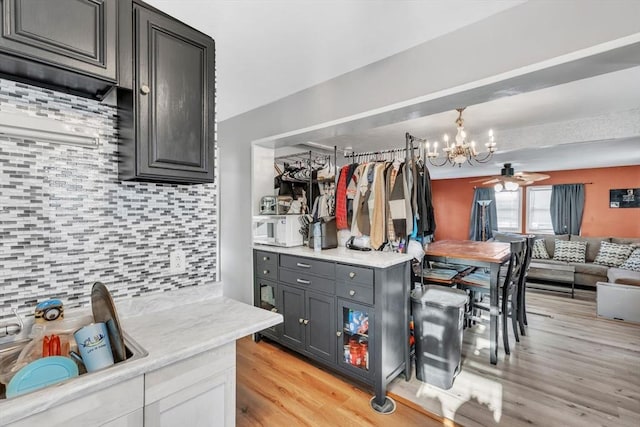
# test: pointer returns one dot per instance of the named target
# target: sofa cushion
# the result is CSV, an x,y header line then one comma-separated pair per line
x,y
593,245
550,241
590,268
635,241
539,250
549,261
633,262
570,251
613,254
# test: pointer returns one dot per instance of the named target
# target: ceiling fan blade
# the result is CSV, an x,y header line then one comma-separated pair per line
x,y
484,180
532,176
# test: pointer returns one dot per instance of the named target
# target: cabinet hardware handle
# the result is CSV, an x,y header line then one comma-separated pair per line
x,y
352,274
274,310
265,271
304,282
352,292
299,264
338,334
306,321
265,258
300,321
144,89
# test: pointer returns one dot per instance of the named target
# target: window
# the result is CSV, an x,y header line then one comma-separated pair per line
x,y
538,209
508,206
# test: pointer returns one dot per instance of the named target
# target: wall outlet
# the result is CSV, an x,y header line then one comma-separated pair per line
x,y
177,262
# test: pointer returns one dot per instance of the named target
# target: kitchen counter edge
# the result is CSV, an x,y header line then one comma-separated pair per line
x,y
342,255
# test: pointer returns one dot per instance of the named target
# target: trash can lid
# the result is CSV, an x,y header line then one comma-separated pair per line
x,y
439,295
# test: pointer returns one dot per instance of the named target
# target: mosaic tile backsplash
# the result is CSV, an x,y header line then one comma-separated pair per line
x,y
66,220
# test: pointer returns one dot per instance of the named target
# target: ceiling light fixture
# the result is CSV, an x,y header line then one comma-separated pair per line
x,y
461,150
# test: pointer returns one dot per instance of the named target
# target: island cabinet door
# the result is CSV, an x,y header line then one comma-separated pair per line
x,y
196,392
356,345
266,297
320,326
292,305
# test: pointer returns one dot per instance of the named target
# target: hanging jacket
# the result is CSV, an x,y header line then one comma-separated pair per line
x,y
341,199
398,204
359,192
378,217
427,220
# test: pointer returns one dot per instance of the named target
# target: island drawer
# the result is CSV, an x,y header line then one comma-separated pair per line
x,y
355,292
267,265
351,274
308,266
307,281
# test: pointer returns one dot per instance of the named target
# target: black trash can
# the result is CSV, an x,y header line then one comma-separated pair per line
x,y
438,315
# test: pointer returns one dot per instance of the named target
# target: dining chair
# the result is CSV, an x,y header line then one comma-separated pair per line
x,y
477,283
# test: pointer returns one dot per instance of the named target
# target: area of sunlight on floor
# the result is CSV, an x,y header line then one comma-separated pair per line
x,y
467,387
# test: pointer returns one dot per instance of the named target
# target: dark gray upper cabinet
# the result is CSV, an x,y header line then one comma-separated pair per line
x,y
169,135
69,45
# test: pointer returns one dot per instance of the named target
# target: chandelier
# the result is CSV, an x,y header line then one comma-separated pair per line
x,y
460,150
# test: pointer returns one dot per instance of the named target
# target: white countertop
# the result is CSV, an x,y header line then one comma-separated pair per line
x,y
163,325
374,259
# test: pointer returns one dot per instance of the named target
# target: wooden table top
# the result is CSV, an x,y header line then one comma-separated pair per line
x,y
469,249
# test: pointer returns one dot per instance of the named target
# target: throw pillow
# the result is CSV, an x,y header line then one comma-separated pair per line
x,y
633,262
539,251
570,251
612,254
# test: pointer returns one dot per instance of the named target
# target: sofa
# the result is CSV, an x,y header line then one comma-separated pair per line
x,y
589,273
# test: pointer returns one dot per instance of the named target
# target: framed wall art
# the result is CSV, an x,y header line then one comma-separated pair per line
x,y
624,198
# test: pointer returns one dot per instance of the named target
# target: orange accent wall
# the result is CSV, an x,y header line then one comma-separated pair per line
x,y
452,202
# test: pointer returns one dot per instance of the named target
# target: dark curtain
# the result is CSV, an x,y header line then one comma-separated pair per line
x,y
481,225
567,205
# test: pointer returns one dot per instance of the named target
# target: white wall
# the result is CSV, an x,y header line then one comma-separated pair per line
x,y
521,38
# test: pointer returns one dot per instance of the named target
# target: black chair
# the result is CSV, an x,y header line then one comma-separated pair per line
x,y
477,283
522,286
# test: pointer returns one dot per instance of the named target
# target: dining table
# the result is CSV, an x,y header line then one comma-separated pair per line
x,y
489,255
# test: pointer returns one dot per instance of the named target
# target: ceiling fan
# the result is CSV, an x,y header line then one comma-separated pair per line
x,y
510,181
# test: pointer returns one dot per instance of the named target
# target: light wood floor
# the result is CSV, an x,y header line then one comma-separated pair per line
x,y
572,369
277,388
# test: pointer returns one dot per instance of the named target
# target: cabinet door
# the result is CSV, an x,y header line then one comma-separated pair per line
x,y
208,403
134,419
77,35
292,306
199,391
174,91
266,297
320,324
356,343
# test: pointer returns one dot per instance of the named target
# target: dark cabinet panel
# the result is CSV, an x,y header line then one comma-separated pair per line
x,y
67,43
320,332
173,96
293,311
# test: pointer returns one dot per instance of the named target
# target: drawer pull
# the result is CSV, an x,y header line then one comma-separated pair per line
x,y
300,321
352,274
306,321
265,258
274,310
352,292
304,282
339,334
299,264
144,89
265,271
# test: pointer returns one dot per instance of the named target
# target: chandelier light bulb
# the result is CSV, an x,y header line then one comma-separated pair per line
x,y
498,187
